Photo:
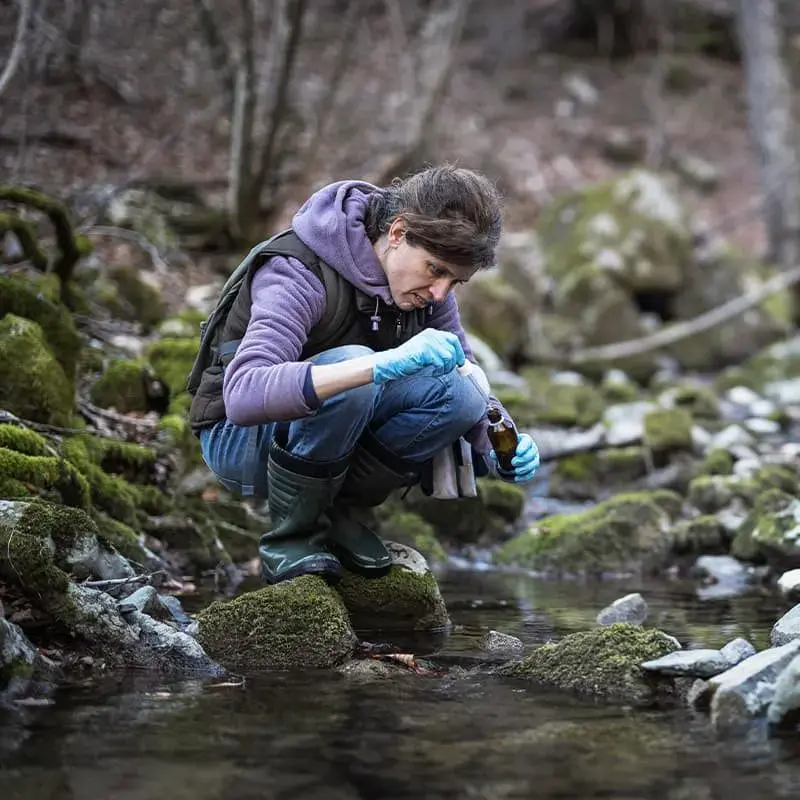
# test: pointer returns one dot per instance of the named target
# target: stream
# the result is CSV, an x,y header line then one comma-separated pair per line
x,y
466,734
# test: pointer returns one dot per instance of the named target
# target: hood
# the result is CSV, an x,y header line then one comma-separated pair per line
x,y
331,223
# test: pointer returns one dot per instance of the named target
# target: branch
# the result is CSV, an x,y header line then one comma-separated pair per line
x,y
18,47
159,262
296,14
217,49
683,330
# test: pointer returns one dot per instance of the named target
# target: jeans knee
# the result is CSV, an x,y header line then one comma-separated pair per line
x,y
355,403
344,353
469,403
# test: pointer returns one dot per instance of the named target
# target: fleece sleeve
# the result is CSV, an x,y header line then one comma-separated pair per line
x,y
265,382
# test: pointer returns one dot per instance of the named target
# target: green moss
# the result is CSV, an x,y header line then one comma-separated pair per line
x,y
519,405
172,360
47,473
619,391
130,298
411,529
401,599
295,624
627,532
568,405
22,440
604,662
174,430
121,537
771,532
506,500
699,401
121,387
699,536
32,383
668,429
37,300
716,462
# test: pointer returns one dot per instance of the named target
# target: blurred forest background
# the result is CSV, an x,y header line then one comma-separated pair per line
x,y
225,115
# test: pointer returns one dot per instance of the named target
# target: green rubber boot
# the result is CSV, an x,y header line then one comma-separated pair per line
x,y
299,494
374,473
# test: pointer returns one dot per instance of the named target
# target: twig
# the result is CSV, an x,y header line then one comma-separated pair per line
x,y
107,584
18,47
159,262
682,330
95,412
6,417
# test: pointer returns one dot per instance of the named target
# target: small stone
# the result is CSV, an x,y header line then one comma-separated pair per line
x,y
631,608
689,663
787,628
502,644
737,650
762,427
789,584
742,396
698,695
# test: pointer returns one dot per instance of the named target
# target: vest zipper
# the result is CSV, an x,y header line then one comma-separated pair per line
x,y
397,329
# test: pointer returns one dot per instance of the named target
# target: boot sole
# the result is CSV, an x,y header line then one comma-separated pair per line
x,y
326,570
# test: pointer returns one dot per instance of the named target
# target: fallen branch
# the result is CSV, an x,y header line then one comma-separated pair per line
x,y
94,413
111,582
161,265
681,330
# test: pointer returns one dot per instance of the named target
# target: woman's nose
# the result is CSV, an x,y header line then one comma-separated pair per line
x,y
439,289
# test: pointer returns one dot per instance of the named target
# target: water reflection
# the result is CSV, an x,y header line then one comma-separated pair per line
x,y
465,735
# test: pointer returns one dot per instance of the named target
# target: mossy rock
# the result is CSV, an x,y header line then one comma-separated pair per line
x,y
617,387
703,535
699,401
41,545
496,312
37,300
462,520
124,539
716,462
632,225
501,498
128,297
172,359
403,599
771,532
667,430
33,384
48,476
584,476
604,662
568,405
712,493
121,386
627,533
296,624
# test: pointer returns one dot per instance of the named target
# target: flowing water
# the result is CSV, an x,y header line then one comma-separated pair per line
x,y
465,735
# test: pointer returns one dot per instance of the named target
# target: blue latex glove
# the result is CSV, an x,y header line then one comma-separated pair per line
x,y
430,348
525,461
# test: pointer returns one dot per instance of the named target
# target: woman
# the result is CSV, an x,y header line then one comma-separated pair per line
x,y
335,377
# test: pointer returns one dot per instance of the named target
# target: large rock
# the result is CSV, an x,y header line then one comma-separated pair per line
x,y
627,533
408,597
33,384
604,663
21,665
292,625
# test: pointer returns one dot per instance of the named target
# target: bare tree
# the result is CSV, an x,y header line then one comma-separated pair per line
x,y
18,48
428,65
773,130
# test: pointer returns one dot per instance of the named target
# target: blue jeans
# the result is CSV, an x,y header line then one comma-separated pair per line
x,y
412,417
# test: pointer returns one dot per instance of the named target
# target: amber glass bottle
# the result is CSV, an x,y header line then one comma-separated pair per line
x,y
503,438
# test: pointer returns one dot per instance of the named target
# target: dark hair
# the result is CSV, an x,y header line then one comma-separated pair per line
x,y
452,213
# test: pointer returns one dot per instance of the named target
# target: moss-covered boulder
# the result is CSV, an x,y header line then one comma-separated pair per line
x,y
712,493
668,430
407,598
42,544
128,296
564,403
33,383
121,386
627,533
585,476
37,299
702,535
720,274
501,498
771,532
297,624
716,462
602,663
497,313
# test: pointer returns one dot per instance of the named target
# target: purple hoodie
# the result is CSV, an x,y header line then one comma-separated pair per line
x,y
265,382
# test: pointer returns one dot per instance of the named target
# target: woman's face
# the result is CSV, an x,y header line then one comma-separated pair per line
x,y
416,278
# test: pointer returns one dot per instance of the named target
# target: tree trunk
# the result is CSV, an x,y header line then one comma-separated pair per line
x,y
772,130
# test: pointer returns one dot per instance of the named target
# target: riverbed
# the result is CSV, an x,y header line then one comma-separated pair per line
x,y
459,733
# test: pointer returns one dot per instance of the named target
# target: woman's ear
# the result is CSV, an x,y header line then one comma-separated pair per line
x,y
397,230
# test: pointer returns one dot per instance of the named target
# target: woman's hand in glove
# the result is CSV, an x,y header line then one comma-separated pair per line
x,y
525,461
431,348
